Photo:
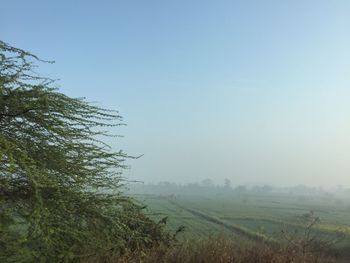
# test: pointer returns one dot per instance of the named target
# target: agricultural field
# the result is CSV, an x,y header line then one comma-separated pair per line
x,y
253,217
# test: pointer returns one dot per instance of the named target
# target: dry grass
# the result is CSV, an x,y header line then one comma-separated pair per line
x,y
221,250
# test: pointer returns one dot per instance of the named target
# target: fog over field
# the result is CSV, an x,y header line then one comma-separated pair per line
x,y
255,92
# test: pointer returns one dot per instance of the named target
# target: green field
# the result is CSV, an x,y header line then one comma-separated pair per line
x,y
251,217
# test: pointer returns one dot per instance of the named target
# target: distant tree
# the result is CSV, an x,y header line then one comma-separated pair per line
x,y
227,184
60,197
241,189
207,183
164,183
340,189
267,189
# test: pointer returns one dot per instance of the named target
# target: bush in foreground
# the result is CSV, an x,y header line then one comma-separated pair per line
x,y
60,197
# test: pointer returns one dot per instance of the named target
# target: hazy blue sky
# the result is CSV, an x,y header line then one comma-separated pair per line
x,y
256,91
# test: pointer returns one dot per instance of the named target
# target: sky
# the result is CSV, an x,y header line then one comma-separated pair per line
x,y
254,91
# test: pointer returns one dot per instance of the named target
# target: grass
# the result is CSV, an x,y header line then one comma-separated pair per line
x,y
251,218
222,250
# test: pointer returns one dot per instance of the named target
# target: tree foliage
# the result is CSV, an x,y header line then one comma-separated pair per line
x,y
60,197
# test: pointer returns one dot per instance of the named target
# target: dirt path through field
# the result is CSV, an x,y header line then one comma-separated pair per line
x,y
233,228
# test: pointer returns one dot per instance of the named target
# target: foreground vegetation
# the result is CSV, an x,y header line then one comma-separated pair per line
x,y
224,250
60,197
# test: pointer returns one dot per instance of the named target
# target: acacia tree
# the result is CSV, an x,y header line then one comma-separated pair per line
x,y
60,197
